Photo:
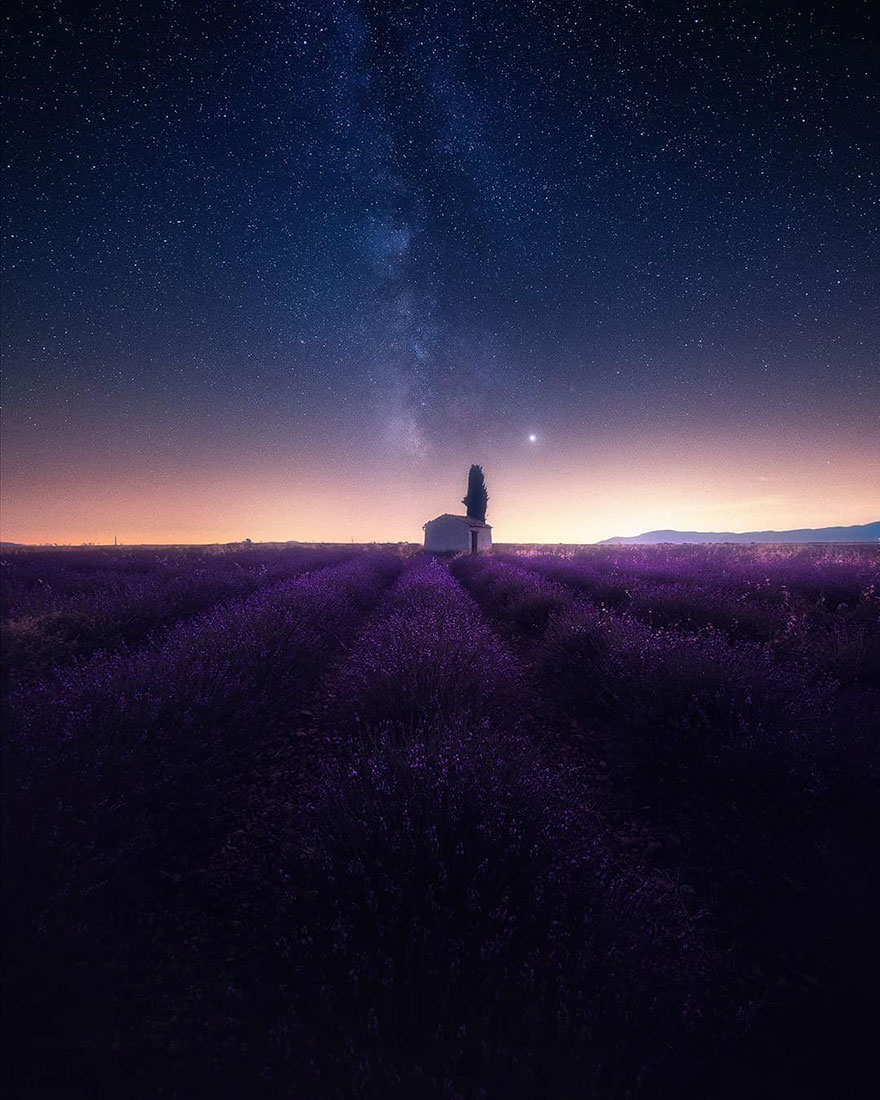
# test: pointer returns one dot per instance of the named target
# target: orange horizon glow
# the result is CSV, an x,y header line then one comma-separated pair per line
x,y
564,495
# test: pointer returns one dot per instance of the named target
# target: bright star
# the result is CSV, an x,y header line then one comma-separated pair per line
x,y
533,439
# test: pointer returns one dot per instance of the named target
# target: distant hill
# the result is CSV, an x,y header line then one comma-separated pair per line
x,y
865,532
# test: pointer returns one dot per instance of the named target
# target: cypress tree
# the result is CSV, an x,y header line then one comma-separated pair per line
x,y
477,498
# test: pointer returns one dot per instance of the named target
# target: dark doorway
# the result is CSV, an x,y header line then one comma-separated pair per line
x,y
474,536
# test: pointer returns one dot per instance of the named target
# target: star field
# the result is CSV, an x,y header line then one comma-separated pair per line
x,y
256,248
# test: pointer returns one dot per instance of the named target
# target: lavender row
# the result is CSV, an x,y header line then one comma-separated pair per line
x,y
202,662
434,886
69,611
37,581
677,703
126,772
752,781
445,919
763,786
428,654
835,574
514,595
828,613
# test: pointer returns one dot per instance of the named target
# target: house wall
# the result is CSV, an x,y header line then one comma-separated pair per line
x,y
452,536
445,535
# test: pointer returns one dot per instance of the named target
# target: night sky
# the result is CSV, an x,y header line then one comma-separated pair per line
x,y
284,270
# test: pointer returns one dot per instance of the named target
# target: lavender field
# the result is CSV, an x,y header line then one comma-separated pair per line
x,y
348,822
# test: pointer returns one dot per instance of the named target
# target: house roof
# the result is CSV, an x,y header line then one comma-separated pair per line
x,y
469,520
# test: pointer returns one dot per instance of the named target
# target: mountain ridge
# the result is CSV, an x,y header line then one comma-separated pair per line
x,y
861,532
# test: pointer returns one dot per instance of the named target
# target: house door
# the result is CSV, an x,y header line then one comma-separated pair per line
x,y
474,536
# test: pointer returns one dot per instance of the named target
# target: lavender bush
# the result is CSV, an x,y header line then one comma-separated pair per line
x,y
126,771
429,653
519,597
62,606
445,919
755,760
589,824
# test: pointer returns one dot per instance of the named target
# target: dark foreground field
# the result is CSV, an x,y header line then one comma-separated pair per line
x,y
338,823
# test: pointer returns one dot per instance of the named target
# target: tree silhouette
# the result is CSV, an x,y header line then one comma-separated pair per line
x,y
477,498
